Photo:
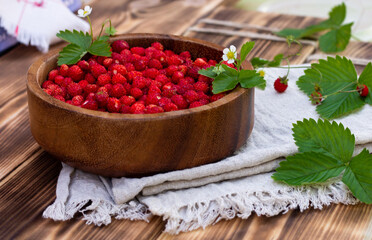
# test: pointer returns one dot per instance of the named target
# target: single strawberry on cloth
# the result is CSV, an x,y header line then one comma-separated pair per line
x,y
36,22
233,187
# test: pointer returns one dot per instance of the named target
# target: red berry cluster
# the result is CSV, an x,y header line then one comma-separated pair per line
x,y
134,80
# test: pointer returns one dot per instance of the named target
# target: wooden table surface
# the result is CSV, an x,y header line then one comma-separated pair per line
x,y
28,175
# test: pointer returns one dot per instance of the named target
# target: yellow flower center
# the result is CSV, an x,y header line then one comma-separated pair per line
x,y
85,12
230,55
262,73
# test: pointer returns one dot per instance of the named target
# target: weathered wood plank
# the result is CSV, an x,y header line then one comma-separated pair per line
x,y
29,175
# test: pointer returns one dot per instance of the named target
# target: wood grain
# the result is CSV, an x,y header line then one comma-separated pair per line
x,y
28,175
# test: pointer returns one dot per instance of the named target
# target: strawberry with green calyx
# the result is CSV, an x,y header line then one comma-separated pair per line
x,y
281,84
363,90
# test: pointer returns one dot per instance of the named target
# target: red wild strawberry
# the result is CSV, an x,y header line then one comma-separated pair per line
x,y
83,83
127,100
140,65
164,101
52,74
119,45
117,58
107,62
48,91
97,70
162,79
169,90
108,86
153,109
63,70
171,69
204,101
177,76
136,92
129,67
316,98
66,82
103,79
138,50
201,86
151,73
169,53
90,104
119,69
139,82
77,100
59,97
160,56
170,107
60,91
174,60
137,108
84,65
113,105
153,99
363,90
212,62
217,96
118,90
75,73
46,84
191,96
124,109
59,79
281,84
90,96
74,89
132,75
179,101
185,55
91,88
183,69
200,62
118,78
90,78
102,98
154,63
195,104
158,46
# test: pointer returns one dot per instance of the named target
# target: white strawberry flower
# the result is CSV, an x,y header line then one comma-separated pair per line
x,y
84,13
229,55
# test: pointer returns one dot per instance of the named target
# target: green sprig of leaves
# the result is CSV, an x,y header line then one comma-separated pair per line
x,y
227,78
335,39
326,151
82,43
261,63
337,80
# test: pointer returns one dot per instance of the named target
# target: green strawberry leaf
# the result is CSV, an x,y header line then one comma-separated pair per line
x,y
226,80
103,38
335,40
71,54
259,62
307,168
208,72
325,137
340,104
100,48
277,61
110,30
366,78
250,79
358,176
296,33
338,14
246,48
81,39
332,75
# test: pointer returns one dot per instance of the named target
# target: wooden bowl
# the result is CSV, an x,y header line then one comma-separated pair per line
x,y
135,145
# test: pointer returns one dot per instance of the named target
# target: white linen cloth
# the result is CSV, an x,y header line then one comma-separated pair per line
x,y
236,186
36,22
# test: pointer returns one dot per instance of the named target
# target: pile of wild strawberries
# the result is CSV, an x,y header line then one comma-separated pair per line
x,y
134,80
